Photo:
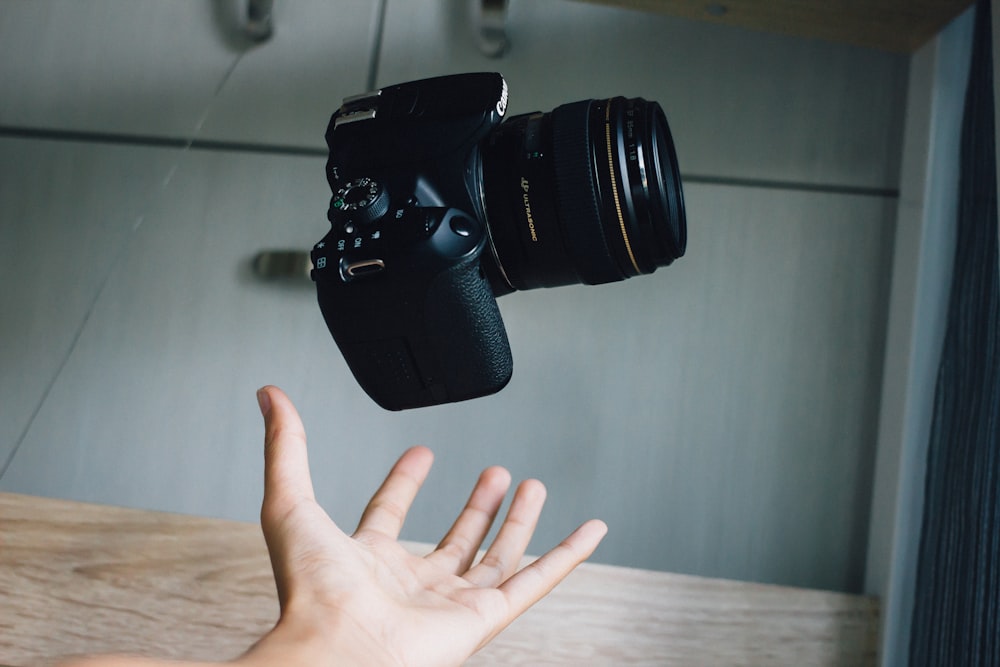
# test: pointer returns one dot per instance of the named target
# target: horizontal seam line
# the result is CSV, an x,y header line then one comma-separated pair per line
x,y
158,142
305,151
803,186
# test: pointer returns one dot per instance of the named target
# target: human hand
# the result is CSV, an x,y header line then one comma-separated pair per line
x,y
364,599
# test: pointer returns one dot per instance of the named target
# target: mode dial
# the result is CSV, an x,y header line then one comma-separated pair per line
x,y
362,200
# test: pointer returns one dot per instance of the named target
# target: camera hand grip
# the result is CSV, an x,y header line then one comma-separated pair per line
x,y
468,335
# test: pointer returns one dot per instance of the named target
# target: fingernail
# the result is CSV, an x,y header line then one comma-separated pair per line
x,y
264,401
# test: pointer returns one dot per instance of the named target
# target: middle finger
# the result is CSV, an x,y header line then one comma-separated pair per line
x,y
504,555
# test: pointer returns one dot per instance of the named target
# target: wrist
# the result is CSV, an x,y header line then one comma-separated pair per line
x,y
334,642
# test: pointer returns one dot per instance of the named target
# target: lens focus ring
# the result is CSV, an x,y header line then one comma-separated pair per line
x,y
576,193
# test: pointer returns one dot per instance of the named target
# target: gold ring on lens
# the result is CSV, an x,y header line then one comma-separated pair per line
x,y
614,187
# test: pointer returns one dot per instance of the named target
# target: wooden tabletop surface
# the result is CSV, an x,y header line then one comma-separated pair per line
x,y
80,578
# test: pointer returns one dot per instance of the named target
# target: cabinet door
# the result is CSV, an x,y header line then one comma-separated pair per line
x,y
742,104
66,213
717,414
182,69
109,72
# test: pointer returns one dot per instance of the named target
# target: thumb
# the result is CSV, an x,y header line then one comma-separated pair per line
x,y
286,463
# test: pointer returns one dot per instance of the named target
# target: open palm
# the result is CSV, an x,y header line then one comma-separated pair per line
x,y
396,607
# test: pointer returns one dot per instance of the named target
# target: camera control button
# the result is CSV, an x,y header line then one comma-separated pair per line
x,y
361,200
363,268
461,226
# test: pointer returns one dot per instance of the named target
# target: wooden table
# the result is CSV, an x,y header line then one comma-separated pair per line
x,y
78,578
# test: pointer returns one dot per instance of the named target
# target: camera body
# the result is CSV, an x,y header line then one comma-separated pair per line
x,y
440,205
399,276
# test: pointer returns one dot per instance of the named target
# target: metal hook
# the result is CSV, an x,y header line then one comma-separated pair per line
x,y
260,20
490,18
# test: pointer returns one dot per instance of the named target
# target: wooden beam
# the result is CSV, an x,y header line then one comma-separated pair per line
x,y
890,25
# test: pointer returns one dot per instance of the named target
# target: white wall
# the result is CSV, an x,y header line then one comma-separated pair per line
x,y
921,282
720,414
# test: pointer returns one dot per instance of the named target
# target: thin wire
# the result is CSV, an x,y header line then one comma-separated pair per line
x,y
376,45
119,257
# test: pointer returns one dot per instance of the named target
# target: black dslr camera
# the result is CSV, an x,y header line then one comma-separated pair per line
x,y
438,207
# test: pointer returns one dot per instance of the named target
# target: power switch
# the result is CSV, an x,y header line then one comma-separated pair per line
x,y
362,268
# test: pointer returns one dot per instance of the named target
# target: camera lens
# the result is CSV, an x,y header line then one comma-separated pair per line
x,y
588,193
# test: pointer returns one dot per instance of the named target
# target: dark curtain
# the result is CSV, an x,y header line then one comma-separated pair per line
x,y
956,616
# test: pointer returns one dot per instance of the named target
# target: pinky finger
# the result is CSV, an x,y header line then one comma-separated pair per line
x,y
534,581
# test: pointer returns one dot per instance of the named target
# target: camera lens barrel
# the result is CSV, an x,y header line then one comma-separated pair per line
x,y
588,193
